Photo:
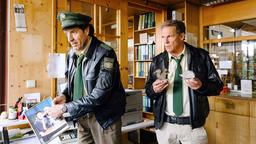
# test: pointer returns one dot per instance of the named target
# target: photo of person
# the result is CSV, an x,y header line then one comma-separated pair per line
x,y
39,122
49,121
43,122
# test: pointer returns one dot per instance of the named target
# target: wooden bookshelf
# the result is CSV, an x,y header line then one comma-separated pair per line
x,y
189,14
144,46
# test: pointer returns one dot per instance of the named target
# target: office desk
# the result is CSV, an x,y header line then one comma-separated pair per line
x,y
7,123
33,139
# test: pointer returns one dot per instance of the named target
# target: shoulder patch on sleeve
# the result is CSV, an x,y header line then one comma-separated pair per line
x,y
105,46
108,63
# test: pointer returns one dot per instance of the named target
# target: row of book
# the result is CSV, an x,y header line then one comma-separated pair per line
x,y
142,69
145,52
147,104
146,38
146,20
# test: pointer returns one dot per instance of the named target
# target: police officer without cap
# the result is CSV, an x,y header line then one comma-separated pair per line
x,y
181,105
94,96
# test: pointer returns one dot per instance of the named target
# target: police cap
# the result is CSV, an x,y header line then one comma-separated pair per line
x,y
70,19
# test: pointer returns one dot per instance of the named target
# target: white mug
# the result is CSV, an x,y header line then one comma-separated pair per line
x,y
235,87
230,85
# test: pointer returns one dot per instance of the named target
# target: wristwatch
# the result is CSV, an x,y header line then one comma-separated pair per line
x,y
64,109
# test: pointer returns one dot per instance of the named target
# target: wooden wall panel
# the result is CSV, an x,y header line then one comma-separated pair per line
x,y
252,130
210,127
28,51
62,43
116,4
232,128
192,19
161,16
229,12
123,55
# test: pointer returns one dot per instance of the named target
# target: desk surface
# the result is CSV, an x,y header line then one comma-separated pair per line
x,y
144,124
6,122
132,127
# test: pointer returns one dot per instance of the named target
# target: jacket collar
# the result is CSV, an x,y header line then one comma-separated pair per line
x,y
191,51
165,59
92,47
89,52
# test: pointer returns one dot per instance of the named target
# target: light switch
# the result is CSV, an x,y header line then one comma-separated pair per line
x,y
31,83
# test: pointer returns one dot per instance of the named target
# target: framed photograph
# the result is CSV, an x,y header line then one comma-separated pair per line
x,y
45,127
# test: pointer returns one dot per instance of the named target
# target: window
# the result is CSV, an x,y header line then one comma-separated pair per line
x,y
232,47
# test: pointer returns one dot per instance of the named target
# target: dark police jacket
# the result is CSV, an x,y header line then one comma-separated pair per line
x,y
101,77
200,63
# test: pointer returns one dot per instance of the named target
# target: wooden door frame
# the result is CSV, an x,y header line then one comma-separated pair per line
x,y
3,48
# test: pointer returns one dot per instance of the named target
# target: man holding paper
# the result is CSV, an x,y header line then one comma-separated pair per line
x,y
181,105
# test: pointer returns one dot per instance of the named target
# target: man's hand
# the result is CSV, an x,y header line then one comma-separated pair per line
x,y
60,99
55,111
193,83
160,85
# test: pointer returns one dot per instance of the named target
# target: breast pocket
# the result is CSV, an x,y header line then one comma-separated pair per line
x,y
90,76
90,81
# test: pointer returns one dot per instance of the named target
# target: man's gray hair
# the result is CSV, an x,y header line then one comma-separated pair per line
x,y
180,26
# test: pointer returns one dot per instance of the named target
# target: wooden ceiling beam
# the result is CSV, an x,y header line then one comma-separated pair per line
x,y
146,5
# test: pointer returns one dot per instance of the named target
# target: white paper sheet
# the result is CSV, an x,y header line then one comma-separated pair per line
x,y
225,64
56,65
20,19
222,72
143,38
246,87
32,97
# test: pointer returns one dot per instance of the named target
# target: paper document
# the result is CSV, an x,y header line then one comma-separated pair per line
x,y
56,65
32,97
20,19
246,87
225,64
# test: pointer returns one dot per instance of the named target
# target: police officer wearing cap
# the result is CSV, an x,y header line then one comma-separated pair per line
x,y
94,95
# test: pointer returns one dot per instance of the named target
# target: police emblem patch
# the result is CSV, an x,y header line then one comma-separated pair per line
x,y
108,63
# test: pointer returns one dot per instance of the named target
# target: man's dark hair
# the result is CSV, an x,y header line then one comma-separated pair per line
x,y
180,26
83,27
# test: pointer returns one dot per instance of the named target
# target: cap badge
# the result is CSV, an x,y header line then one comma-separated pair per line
x,y
62,16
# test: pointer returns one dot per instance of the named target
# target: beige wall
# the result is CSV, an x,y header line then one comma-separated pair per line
x,y
28,51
